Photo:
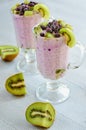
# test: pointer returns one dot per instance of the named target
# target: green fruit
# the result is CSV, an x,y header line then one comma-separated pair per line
x,y
45,23
26,1
13,8
8,52
15,85
43,9
37,30
49,35
28,13
65,25
59,72
40,114
71,40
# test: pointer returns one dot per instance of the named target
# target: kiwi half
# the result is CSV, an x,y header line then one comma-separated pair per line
x,y
40,114
8,52
15,84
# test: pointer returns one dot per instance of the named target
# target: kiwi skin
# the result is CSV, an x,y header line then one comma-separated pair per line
x,y
40,114
8,52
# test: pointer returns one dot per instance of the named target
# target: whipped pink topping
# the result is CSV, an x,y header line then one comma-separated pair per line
x,y
23,28
52,56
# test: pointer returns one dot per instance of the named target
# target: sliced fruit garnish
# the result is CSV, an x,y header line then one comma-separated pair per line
x,y
26,1
37,30
28,13
15,84
49,35
40,114
8,52
64,24
59,72
71,40
43,9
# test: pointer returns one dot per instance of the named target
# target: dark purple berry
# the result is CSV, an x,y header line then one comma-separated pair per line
x,y
42,34
48,30
49,24
17,9
57,35
31,4
49,49
25,9
43,27
21,13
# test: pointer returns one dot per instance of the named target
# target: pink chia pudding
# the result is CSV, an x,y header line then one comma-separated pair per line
x,y
51,50
52,57
25,16
23,27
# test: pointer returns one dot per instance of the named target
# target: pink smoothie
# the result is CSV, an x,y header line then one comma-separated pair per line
x,y
52,56
23,27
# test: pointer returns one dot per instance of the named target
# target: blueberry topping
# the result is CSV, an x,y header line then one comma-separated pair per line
x,y
51,28
20,9
42,34
43,27
57,35
48,30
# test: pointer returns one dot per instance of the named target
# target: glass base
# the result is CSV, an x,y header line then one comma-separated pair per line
x,y
27,67
27,62
53,92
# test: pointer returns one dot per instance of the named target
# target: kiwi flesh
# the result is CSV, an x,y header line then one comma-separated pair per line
x,y
59,72
8,52
71,37
15,84
43,10
41,114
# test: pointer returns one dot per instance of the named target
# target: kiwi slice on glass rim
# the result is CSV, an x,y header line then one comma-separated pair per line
x,y
40,114
15,84
43,10
69,35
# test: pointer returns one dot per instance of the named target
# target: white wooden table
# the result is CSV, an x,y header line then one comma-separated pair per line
x,y
71,115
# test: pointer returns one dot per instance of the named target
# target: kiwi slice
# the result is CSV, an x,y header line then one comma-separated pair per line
x,y
43,10
28,13
8,52
15,84
37,30
71,40
49,35
40,114
59,72
64,24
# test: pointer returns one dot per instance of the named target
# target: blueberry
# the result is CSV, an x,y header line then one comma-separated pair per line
x,y
25,9
57,35
42,34
21,13
49,49
31,4
17,9
48,30
43,27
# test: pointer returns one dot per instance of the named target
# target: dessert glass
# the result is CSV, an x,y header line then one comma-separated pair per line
x,y
23,25
53,60
25,41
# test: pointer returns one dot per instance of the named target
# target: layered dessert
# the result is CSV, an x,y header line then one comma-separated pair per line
x,y
25,16
53,40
